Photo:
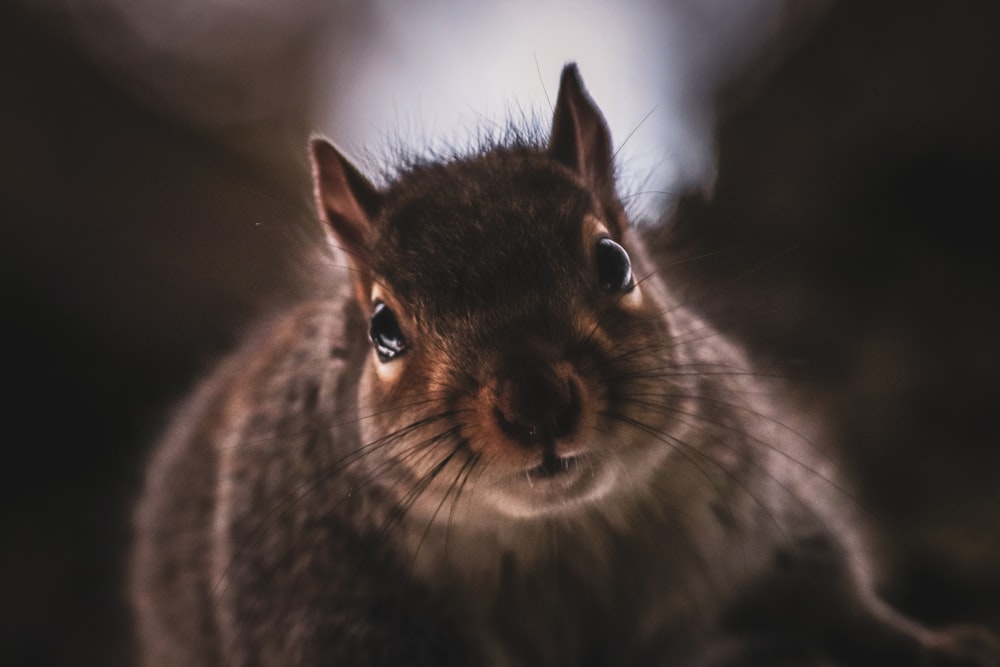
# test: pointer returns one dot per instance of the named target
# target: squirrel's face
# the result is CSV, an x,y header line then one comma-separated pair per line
x,y
515,340
521,355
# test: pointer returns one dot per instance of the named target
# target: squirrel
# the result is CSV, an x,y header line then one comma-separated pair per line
x,y
501,438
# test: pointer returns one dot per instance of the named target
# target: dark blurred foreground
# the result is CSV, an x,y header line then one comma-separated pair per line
x,y
849,242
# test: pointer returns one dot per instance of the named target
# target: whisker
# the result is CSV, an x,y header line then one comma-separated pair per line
x,y
402,508
766,470
444,498
754,413
427,399
299,492
683,449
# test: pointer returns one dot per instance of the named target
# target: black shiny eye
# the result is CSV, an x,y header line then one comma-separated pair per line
x,y
384,333
614,269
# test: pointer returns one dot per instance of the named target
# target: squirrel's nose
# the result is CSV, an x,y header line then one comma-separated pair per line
x,y
537,406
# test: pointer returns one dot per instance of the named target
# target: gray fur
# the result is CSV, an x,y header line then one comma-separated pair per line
x,y
277,526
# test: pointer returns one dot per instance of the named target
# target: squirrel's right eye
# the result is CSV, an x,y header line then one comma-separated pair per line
x,y
614,269
385,334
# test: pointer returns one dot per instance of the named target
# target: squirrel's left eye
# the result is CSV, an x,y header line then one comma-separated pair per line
x,y
385,333
614,269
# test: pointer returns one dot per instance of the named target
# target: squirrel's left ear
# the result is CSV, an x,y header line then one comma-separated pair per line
x,y
580,138
348,203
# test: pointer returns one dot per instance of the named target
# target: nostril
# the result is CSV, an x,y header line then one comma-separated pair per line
x,y
516,427
537,407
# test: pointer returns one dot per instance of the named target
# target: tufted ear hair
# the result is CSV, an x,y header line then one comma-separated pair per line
x,y
580,138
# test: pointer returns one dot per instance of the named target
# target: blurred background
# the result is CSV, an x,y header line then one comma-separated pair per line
x,y
155,198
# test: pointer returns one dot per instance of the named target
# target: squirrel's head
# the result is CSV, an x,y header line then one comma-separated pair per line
x,y
517,330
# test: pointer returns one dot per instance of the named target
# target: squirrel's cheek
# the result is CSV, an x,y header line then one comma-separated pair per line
x,y
388,374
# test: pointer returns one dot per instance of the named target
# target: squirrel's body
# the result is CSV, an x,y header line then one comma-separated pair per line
x,y
545,459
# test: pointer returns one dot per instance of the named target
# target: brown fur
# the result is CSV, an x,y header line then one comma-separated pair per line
x,y
548,474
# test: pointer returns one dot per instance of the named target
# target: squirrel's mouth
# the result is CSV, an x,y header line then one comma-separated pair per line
x,y
554,484
558,478
553,466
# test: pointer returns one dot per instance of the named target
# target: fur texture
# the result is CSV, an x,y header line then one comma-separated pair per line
x,y
547,458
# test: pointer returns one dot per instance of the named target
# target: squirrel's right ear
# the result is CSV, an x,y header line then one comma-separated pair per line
x,y
347,202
